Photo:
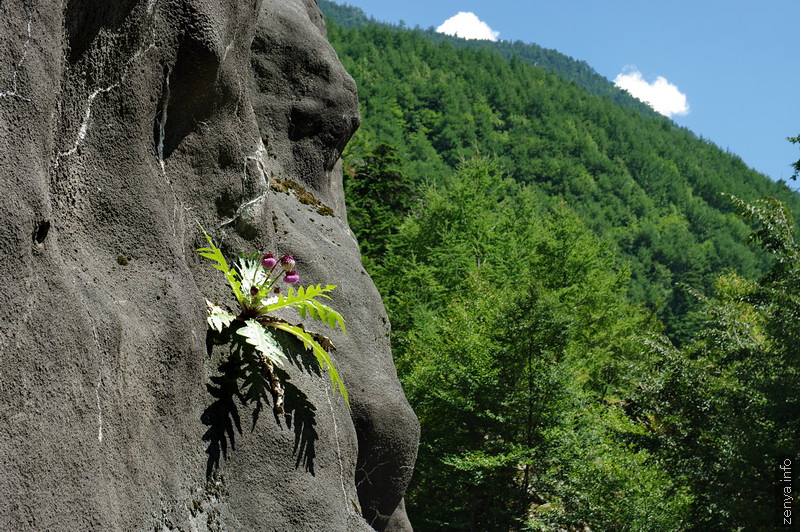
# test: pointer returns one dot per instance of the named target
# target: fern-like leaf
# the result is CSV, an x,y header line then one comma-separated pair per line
x,y
323,358
256,335
214,254
304,300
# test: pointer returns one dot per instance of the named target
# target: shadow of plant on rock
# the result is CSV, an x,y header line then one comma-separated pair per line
x,y
241,383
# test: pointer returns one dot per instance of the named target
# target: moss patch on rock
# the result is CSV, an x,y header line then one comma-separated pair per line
x,y
299,192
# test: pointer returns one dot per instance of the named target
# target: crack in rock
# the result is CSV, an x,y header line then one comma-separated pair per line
x,y
257,157
162,122
225,54
102,353
13,93
338,447
178,208
368,473
242,207
99,408
84,127
18,321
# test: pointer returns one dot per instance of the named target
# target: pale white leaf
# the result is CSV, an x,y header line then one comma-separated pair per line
x,y
256,335
218,318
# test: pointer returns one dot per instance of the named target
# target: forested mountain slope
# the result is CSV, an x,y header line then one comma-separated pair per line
x,y
652,188
579,319
550,60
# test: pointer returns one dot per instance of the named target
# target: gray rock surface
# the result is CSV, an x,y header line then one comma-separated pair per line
x,y
122,124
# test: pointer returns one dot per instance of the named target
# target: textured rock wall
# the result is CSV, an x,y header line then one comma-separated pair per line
x,y
122,124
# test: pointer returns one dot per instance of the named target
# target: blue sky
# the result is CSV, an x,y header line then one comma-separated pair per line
x,y
735,62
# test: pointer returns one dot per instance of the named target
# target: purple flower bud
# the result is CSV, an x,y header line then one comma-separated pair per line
x,y
268,261
291,277
254,290
288,262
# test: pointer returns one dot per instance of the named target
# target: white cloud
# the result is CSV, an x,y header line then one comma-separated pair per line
x,y
661,95
469,26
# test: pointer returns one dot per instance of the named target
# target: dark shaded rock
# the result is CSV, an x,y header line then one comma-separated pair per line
x,y
122,124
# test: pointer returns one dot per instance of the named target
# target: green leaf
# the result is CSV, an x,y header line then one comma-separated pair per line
x,y
304,300
323,358
214,254
256,335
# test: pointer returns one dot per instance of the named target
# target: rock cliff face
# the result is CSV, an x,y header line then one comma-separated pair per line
x,y
122,124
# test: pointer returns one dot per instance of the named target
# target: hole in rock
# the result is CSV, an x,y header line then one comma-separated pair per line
x,y
40,231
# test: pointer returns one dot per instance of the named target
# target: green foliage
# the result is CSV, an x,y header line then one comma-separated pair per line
x,y
776,231
472,445
251,285
796,164
540,406
570,69
722,410
512,336
379,197
345,15
323,358
214,254
550,227
304,300
601,481
635,178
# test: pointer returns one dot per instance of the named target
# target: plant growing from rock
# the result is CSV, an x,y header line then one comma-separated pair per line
x,y
256,282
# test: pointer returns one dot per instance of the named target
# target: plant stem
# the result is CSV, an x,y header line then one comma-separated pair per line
x,y
282,274
275,383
